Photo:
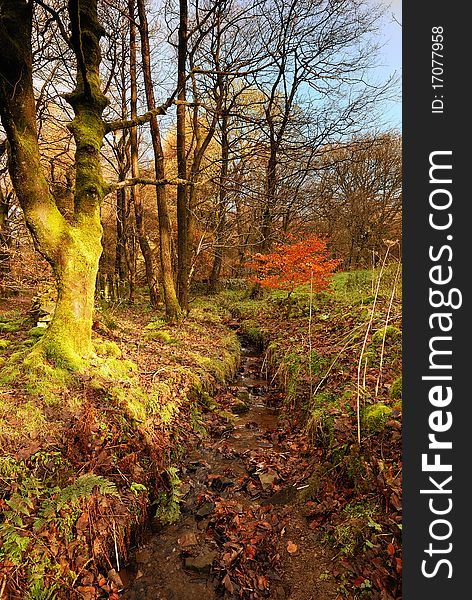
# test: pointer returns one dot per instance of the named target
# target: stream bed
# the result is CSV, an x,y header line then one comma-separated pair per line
x,y
176,562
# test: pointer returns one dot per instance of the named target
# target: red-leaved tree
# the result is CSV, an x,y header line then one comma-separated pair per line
x,y
291,265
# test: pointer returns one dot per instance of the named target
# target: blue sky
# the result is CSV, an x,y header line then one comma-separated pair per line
x,y
390,59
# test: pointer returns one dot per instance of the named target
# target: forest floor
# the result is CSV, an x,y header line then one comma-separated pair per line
x,y
210,481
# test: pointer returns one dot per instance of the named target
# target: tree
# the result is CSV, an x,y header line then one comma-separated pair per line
x,y
173,310
291,265
72,247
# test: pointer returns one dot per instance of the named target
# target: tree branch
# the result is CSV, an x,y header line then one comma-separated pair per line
x,y
112,187
141,119
57,18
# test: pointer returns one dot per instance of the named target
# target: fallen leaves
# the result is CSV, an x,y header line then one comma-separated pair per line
x,y
292,548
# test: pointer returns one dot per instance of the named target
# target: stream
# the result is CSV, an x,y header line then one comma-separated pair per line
x,y
176,562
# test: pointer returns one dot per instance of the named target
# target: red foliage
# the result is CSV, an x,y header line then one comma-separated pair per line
x,y
291,265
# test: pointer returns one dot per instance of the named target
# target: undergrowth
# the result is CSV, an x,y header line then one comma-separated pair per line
x,y
86,457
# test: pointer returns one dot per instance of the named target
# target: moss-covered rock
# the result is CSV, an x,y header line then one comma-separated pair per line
x,y
36,332
239,407
162,336
106,348
157,324
375,416
252,331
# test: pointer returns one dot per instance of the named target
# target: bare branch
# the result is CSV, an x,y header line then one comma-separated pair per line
x,y
111,187
141,119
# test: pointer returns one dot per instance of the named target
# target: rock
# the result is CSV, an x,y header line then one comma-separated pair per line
x,y
243,396
267,479
221,483
115,578
200,564
187,539
239,407
283,496
205,510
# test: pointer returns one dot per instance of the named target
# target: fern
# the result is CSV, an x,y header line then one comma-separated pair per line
x,y
70,495
37,591
13,543
168,510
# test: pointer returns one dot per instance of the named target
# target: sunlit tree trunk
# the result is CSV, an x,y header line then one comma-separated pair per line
x,y
221,216
182,208
143,240
173,310
72,248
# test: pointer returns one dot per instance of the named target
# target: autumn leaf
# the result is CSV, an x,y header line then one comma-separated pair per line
x,y
398,566
391,549
291,547
228,583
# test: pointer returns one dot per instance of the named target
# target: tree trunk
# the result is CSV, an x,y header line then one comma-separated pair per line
x,y
182,217
5,242
73,249
143,240
220,227
173,310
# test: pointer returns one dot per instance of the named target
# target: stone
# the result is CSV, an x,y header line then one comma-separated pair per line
x,y
187,539
200,564
143,556
205,510
221,483
283,496
243,396
239,407
267,479
115,578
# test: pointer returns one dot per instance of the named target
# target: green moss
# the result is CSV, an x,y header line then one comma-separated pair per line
x,y
251,329
11,326
390,333
357,525
396,389
114,368
375,416
207,401
106,348
157,324
36,332
4,344
162,336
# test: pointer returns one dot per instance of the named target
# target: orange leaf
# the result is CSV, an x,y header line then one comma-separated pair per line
x,y
398,567
391,549
228,583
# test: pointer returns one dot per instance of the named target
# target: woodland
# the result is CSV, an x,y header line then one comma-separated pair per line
x,y
200,301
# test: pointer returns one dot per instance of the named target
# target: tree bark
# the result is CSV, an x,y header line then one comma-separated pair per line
x,y
143,240
221,215
182,208
73,249
173,310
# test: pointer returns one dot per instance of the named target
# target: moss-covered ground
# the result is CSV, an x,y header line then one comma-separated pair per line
x,y
87,458
337,356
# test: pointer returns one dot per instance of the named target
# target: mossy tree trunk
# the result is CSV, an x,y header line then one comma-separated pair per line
x,y
72,247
